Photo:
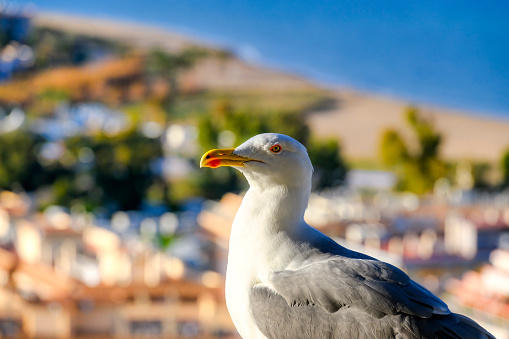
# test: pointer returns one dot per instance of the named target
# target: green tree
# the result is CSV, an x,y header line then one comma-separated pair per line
x,y
19,167
329,167
417,171
504,162
393,149
481,174
247,123
118,170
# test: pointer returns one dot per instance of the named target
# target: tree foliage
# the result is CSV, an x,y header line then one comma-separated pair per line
x,y
504,162
120,168
116,174
418,170
394,149
330,168
19,167
247,123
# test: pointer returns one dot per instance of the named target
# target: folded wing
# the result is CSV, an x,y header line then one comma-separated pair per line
x,y
371,285
341,297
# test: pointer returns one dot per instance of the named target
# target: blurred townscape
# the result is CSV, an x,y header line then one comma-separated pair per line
x,y
108,228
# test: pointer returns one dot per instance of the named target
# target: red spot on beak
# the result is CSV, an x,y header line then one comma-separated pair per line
x,y
214,163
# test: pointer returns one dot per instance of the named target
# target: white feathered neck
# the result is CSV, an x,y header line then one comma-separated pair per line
x,y
268,222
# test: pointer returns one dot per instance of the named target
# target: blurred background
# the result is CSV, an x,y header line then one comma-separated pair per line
x,y
108,228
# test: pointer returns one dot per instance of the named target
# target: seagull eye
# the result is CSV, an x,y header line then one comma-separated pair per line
x,y
275,149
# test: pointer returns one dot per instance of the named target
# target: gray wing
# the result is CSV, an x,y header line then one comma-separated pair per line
x,y
352,298
377,287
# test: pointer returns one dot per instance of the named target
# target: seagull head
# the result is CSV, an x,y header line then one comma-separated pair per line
x,y
266,160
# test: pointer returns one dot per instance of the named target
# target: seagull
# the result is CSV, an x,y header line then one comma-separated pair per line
x,y
287,280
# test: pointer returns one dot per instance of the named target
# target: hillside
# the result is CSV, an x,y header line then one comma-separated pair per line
x,y
356,118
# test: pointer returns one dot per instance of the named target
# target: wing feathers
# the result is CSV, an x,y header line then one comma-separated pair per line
x,y
354,298
374,286
277,320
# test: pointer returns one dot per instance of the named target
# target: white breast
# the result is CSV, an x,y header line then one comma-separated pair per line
x,y
259,244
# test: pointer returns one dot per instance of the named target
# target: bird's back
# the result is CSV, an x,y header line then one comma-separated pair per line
x,y
276,319
333,292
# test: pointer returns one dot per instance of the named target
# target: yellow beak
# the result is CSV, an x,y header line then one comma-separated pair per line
x,y
222,157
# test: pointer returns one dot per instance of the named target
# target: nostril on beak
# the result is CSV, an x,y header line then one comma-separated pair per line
x,y
208,156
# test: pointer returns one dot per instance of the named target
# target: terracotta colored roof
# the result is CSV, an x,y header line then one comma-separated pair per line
x,y
43,280
8,259
13,203
218,220
469,292
117,294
